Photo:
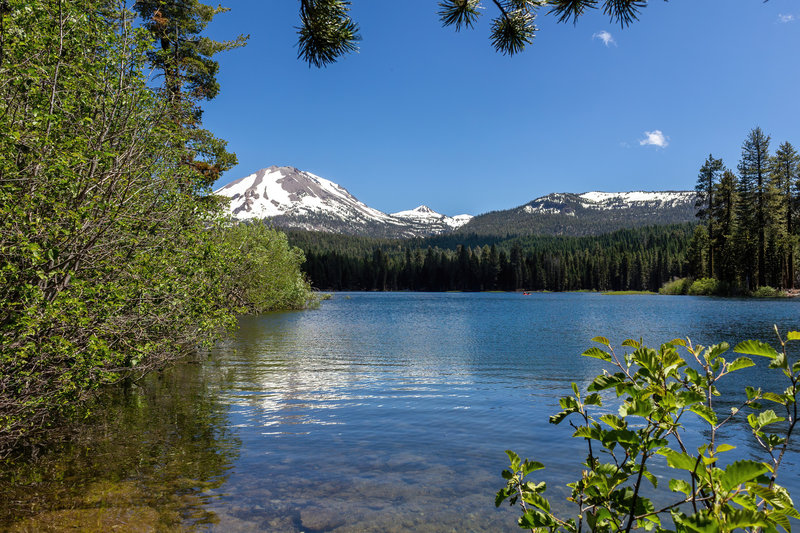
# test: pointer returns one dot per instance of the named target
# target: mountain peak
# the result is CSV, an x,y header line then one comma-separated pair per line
x,y
292,198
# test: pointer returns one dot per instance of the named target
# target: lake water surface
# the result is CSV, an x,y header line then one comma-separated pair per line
x,y
377,412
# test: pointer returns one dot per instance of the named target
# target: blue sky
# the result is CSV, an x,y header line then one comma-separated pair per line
x,y
425,115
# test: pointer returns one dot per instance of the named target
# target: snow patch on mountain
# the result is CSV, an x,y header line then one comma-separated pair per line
x,y
424,213
624,200
568,203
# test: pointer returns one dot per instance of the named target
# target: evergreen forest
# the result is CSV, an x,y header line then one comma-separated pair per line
x,y
632,259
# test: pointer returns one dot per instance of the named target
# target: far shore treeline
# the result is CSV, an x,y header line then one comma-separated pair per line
x,y
632,259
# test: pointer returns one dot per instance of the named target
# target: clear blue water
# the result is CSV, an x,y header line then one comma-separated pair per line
x,y
391,411
378,412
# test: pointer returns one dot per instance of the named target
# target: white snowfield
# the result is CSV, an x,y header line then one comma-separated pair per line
x,y
621,200
424,213
289,192
564,203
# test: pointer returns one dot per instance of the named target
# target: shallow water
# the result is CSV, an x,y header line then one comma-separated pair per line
x,y
378,412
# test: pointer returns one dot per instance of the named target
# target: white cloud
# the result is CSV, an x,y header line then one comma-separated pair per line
x,y
606,37
655,138
786,18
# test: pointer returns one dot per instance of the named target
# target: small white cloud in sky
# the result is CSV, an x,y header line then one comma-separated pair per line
x,y
655,138
786,18
606,37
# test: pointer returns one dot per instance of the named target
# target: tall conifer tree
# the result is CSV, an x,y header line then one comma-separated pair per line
x,y
785,178
754,196
185,57
706,184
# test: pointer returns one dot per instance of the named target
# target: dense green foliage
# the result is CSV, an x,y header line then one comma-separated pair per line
x,y
749,233
112,265
656,392
632,259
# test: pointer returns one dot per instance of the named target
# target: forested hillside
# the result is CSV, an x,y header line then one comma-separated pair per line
x,y
632,259
575,215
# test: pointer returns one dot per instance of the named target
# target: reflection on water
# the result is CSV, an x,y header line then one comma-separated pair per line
x,y
149,458
390,412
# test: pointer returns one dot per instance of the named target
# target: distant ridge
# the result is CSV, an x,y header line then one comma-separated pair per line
x,y
589,213
293,199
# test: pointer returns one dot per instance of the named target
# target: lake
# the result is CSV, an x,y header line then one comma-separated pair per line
x,y
377,412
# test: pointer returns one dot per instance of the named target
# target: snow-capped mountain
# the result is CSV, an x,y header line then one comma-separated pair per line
x,y
588,213
653,200
292,198
425,215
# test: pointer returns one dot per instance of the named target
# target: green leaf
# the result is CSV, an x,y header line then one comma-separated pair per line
x,y
763,419
744,518
534,519
705,412
679,460
725,448
602,340
558,417
537,500
740,472
643,408
793,336
613,421
741,362
593,399
678,342
777,398
587,432
631,343
531,466
515,460
651,478
597,353
752,347
606,381
679,485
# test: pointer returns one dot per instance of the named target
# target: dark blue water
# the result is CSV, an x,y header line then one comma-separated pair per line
x,y
391,411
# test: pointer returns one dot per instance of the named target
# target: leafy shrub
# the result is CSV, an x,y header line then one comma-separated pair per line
x,y
705,287
262,270
767,292
676,287
658,391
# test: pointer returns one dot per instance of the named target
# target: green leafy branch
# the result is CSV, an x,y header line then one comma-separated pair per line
x,y
657,389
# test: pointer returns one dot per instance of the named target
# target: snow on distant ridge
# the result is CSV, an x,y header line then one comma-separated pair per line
x,y
566,203
612,200
423,213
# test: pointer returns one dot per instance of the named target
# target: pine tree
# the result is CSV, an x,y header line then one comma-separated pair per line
x,y
785,178
185,57
754,196
724,215
706,183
